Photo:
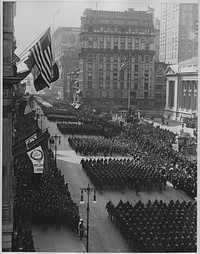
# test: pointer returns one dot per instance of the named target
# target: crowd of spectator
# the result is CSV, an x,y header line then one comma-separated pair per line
x,y
22,235
157,226
43,198
190,122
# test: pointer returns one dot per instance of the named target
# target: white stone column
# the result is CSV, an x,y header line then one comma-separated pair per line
x,y
167,94
175,95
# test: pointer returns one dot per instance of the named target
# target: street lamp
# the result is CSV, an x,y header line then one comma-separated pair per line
x,y
54,140
88,190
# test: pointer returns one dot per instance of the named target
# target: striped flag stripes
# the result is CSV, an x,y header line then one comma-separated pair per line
x,y
42,55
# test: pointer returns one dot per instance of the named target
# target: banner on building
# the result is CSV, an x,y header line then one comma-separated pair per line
x,y
36,156
29,140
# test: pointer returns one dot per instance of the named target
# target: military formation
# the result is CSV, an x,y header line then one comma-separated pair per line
x,y
135,156
120,174
157,226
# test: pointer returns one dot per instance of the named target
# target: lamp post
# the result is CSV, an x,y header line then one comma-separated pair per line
x,y
54,140
88,190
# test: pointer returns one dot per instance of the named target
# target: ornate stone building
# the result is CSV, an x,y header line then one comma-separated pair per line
x,y
9,80
106,39
181,89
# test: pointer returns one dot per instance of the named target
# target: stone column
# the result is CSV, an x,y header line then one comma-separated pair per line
x,y
184,94
187,94
195,96
167,94
175,95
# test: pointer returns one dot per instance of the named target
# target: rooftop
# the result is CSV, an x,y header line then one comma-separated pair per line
x,y
193,60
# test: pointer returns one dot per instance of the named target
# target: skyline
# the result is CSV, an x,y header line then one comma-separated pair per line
x,y
28,26
69,15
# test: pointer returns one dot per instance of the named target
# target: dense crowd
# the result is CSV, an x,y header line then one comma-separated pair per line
x,y
22,235
44,197
150,145
190,122
157,226
150,162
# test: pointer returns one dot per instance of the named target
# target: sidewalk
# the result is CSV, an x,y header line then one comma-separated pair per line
x,y
52,240
173,125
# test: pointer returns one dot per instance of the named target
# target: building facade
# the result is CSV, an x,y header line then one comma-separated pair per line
x,y
178,36
66,43
106,39
181,89
160,86
9,80
157,38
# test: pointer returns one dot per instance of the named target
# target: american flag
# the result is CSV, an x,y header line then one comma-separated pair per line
x,y
42,55
124,66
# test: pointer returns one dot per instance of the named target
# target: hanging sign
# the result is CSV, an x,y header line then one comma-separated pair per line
x,y
30,140
36,156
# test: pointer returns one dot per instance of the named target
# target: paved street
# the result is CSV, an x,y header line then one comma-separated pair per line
x,y
104,236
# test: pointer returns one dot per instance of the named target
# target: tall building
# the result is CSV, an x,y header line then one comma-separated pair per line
x,y
106,39
66,43
9,80
178,37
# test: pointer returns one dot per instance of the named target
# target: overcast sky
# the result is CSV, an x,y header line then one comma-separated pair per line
x,y
34,17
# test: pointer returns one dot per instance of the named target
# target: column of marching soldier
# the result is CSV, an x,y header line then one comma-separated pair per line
x,y
150,164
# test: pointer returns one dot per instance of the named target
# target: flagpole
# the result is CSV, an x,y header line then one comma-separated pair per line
x,y
129,91
30,45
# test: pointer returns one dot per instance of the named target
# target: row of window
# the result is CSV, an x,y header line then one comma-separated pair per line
x,y
119,94
116,67
120,58
122,46
120,39
116,76
119,29
121,85
122,22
